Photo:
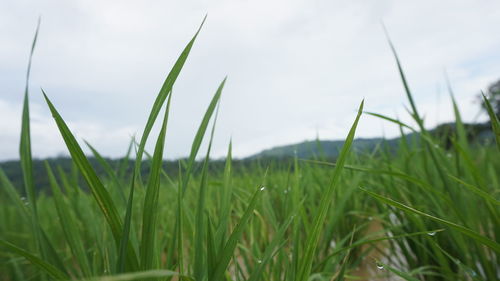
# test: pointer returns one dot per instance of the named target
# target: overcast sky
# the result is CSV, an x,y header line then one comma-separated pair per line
x,y
296,69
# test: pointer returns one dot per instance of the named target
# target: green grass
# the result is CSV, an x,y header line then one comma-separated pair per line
x,y
422,213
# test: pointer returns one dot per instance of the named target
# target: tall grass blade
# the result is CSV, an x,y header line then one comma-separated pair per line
x,y
99,192
317,225
150,208
200,268
124,242
195,147
165,90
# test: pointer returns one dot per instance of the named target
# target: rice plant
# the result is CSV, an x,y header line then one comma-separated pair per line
x,y
422,212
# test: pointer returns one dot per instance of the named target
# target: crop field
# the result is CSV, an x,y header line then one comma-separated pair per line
x,y
421,211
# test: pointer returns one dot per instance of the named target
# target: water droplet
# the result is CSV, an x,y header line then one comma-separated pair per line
x,y
262,188
25,201
471,272
259,261
380,266
333,244
432,233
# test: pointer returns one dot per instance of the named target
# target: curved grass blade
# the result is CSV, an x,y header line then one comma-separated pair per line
x,y
100,193
165,90
460,128
13,195
371,241
107,168
27,160
485,195
44,266
25,144
399,273
391,120
472,234
414,112
195,147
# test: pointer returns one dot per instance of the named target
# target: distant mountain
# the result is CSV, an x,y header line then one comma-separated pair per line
x,y
477,133
323,148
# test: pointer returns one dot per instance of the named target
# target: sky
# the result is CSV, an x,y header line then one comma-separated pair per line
x,y
296,69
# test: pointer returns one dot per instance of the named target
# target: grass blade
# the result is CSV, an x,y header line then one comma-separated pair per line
x,y
165,90
312,240
495,124
124,242
199,266
100,193
195,147
44,266
472,234
150,208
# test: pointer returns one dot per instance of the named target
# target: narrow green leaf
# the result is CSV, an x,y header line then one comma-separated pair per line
x,y
165,90
44,266
317,226
415,114
13,195
472,234
150,208
460,128
195,147
100,193
124,242
399,273
495,123
485,195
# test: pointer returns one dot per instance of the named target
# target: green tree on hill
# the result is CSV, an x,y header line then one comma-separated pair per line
x,y
493,94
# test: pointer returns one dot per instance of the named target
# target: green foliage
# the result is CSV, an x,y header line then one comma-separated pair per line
x,y
426,212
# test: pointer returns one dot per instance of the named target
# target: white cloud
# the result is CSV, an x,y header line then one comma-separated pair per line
x,y
296,68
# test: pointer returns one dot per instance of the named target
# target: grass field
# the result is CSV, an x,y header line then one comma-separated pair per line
x,y
422,213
